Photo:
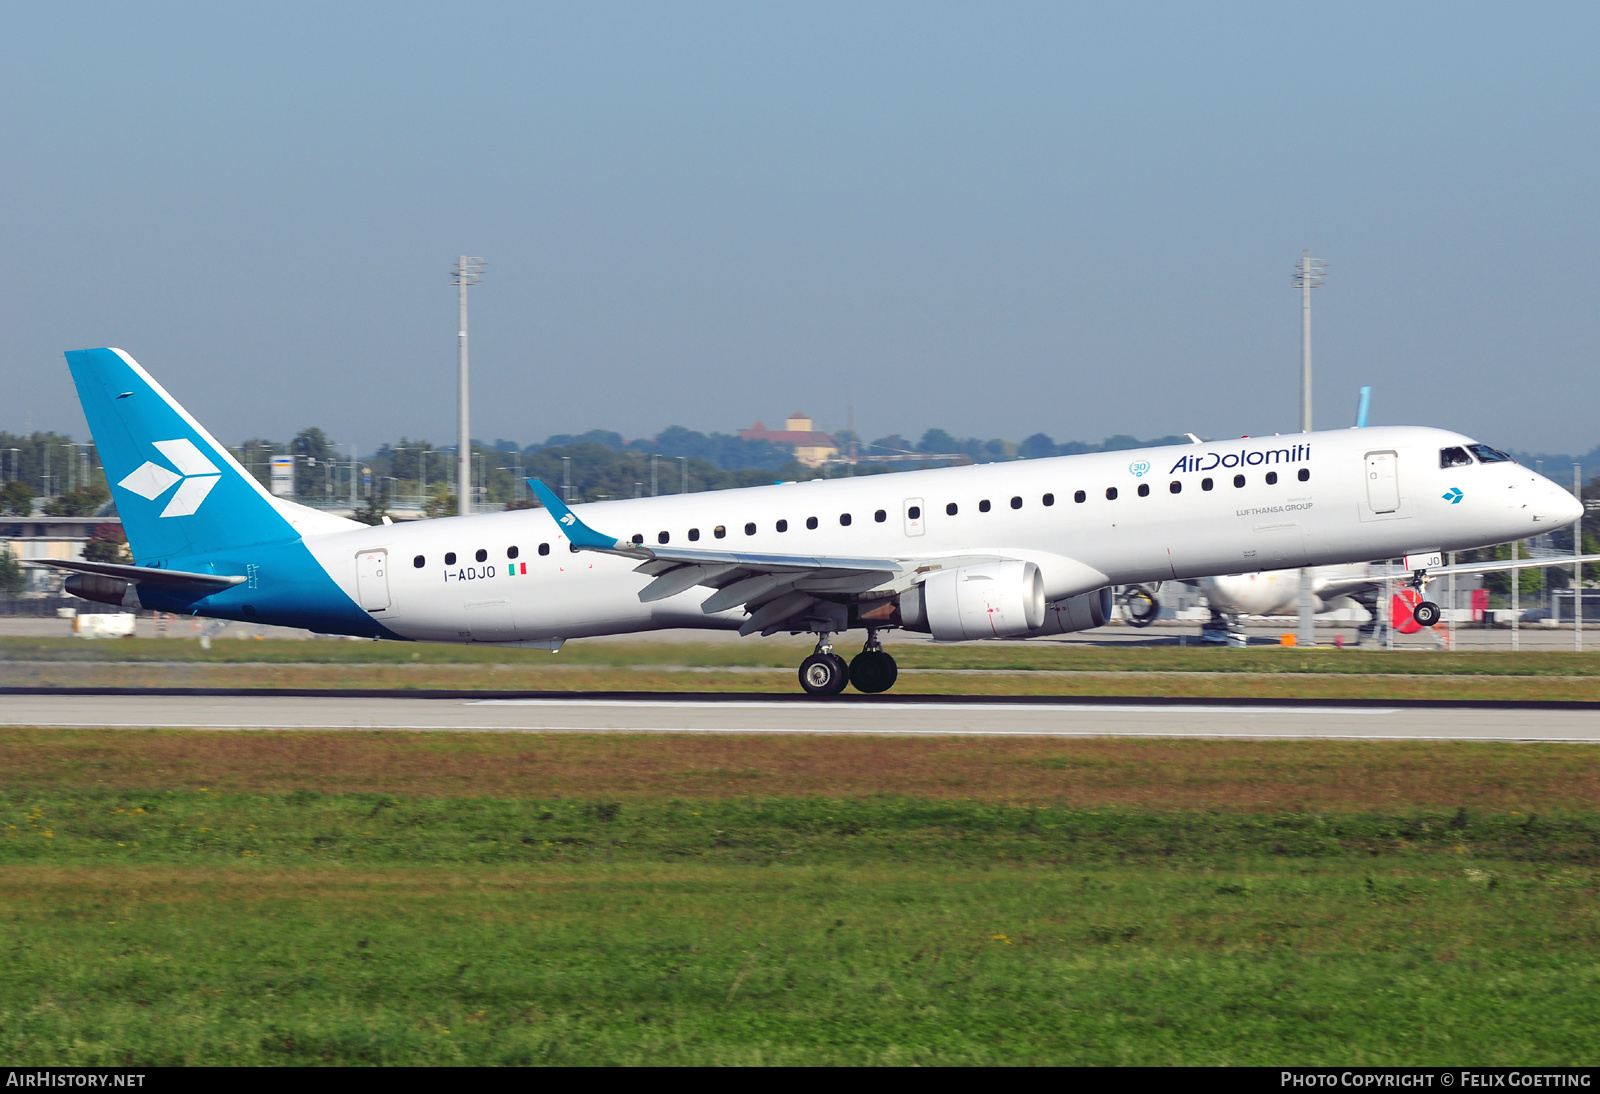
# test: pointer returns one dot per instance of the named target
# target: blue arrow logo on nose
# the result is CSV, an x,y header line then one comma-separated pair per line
x,y
1454,495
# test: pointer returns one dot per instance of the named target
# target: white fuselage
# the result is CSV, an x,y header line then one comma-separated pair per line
x,y
1352,506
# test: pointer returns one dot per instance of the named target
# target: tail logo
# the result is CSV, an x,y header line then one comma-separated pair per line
x,y
196,475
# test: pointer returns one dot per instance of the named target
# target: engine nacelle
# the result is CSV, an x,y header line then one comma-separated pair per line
x,y
105,590
991,600
1076,613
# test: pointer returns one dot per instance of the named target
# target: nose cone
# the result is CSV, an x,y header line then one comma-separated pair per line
x,y
1573,509
1558,507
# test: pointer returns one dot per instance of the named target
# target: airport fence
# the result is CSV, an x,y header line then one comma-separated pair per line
x,y
41,606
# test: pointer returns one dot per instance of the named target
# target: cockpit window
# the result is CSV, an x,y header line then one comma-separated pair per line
x,y
1454,457
1486,454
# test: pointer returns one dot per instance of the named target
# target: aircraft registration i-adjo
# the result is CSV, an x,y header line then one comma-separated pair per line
x,y
1000,550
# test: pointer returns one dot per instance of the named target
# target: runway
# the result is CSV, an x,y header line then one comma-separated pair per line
x,y
748,714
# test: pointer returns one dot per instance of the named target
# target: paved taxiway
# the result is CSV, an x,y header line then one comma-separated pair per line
x,y
708,714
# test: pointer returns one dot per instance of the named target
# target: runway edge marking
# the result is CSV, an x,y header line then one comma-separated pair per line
x,y
767,698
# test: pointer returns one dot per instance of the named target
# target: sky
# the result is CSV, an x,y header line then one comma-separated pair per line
x,y
996,219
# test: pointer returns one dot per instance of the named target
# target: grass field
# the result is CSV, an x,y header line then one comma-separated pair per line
x,y
1039,669
176,897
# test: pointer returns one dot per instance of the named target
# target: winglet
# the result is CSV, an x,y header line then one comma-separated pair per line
x,y
579,533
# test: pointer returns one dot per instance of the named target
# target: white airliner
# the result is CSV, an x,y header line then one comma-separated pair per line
x,y
993,551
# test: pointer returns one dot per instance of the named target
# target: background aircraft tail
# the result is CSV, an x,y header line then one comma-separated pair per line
x,y
178,491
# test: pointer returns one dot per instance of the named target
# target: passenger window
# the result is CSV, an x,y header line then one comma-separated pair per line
x,y
1305,474
1238,481
638,537
1016,503
915,512
811,522
749,529
694,535
1486,454
1080,497
880,516
983,506
1049,500
662,537
1144,490
1206,484
544,548
1272,478
1454,457
783,526
951,510
1111,493
450,558
512,552
1175,486
720,531
482,555
844,520
419,562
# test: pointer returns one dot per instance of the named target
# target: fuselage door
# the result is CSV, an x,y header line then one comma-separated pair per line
x,y
916,518
1383,482
372,580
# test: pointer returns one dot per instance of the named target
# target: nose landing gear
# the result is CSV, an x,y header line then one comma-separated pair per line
x,y
1427,612
825,672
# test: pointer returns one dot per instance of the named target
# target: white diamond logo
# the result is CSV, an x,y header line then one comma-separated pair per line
x,y
186,457
149,481
199,475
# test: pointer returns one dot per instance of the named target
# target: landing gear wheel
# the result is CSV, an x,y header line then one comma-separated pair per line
x,y
844,669
873,671
824,674
1141,606
1426,614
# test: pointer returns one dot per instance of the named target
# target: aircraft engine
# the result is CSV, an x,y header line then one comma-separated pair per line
x,y
105,590
1076,613
991,600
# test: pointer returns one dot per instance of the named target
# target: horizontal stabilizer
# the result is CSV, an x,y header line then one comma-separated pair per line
x,y
114,583
145,575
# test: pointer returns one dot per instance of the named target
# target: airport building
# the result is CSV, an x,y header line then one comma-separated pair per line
x,y
811,446
41,536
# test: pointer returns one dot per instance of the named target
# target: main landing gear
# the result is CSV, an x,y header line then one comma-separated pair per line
x,y
825,672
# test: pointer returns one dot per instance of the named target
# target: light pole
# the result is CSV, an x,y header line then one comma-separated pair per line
x,y
467,271
1308,274
355,473
683,464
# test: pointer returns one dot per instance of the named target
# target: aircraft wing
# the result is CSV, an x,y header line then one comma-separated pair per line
x,y
1507,564
1343,585
781,592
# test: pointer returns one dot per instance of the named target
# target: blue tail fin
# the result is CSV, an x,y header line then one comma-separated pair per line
x,y
178,491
